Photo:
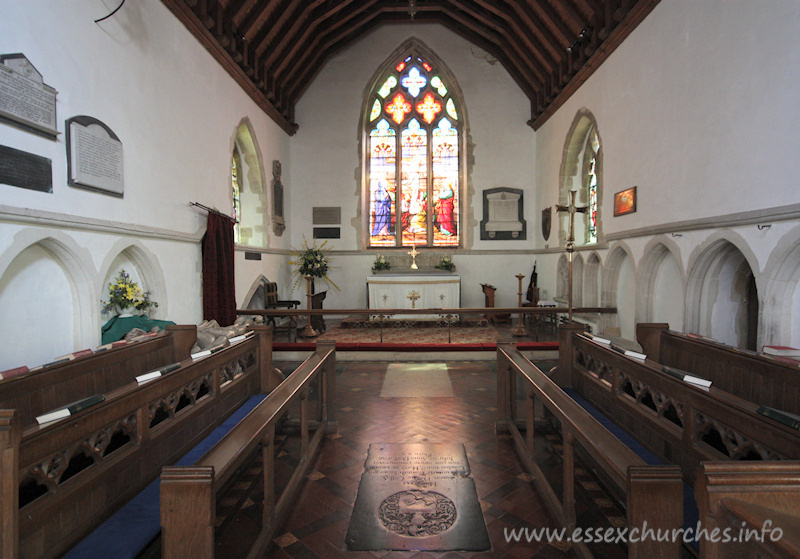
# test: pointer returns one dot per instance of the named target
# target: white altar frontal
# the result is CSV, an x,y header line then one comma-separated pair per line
x,y
414,291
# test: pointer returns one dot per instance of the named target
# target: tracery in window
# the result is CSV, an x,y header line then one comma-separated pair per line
x,y
414,196
581,171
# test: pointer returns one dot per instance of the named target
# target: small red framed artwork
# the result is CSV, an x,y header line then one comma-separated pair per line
x,y
625,201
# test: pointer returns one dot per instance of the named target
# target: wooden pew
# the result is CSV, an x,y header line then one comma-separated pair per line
x,y
188,493
653,494
74,473
756,504
677,421
758,378
52,387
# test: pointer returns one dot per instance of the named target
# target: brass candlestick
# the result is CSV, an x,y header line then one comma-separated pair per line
x,y
308,331
520,328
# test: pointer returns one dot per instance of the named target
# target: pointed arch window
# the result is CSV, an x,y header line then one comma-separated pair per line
x,y
414,155
236,166
581,171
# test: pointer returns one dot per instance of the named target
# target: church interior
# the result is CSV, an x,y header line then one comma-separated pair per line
x,y
628,160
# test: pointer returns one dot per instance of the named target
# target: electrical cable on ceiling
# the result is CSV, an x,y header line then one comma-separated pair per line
x,y
111,14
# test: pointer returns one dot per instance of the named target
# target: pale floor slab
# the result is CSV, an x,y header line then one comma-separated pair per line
x,y
417,380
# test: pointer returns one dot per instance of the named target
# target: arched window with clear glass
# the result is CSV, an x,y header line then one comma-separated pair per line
x,y
581,171
414,149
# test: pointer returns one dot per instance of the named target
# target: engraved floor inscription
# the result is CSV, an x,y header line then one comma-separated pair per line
x,y
417,497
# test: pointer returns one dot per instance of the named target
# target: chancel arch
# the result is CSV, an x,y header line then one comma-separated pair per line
x,y
413,130
143,268
46,286
619,288
780,315
722,294
581,171
248,188
660,285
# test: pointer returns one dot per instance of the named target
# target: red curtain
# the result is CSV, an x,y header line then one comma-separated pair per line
x,y
219,297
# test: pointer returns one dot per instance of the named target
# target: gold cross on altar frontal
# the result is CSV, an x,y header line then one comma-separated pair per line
x,y
413,296
414,253
572,209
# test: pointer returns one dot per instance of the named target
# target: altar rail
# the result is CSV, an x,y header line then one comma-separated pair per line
x,y
188,494
755,377
653,494
677,421
73,473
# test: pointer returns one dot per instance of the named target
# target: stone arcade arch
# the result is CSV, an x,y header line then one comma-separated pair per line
x,y
592,281
780,314
56,274
577,280
722,293
144,269
252,187
562,278
582,145
660,285
619,291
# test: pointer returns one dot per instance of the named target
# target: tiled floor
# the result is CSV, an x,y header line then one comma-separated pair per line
x,y
319,520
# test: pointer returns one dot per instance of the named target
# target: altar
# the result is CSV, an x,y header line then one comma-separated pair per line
x,y
414,291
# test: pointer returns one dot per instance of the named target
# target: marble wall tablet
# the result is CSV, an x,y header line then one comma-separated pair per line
x,y
503,215
25,100
94,156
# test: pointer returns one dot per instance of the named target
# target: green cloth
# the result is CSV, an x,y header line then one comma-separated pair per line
x,y
116,328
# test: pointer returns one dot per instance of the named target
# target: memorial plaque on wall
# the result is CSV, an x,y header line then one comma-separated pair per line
x,y
326,215
503,215
327,233
25,170
25,100
94,156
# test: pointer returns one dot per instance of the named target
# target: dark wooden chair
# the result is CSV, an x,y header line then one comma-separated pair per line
x,y
318,321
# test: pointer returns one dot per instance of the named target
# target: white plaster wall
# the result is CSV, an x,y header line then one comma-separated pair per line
x,y
326,149
176,112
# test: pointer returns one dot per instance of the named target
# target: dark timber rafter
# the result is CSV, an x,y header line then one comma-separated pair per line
x,y
275,48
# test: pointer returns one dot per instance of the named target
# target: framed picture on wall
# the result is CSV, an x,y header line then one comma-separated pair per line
x,y
625,201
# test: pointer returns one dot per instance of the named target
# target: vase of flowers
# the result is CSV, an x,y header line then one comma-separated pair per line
x,y
380,264
313,262
126,298
446,263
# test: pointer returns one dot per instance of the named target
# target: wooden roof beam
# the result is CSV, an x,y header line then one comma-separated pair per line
x,y
542,10
289,40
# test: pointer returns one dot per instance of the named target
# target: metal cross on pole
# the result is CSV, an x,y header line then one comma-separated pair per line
x,y
572,209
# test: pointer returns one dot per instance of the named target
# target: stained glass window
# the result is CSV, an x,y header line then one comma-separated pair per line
x,y
592,187
414,158
236,165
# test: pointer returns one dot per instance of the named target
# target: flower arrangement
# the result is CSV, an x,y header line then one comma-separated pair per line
x,y
446,263
380,264
124,293
311,261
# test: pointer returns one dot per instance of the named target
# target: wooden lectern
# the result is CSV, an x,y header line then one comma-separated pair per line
x,y
488,292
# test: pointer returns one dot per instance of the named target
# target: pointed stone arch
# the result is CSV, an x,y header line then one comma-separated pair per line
x,y
31,270
583,138
144,268
780,316
562,278
253,221
577,281
720,272
592,280
618,291
660,284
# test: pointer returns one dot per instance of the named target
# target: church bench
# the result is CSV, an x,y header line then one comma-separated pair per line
x,y
759,378
188,493
746,498
64,478
44,389
680,423
652,493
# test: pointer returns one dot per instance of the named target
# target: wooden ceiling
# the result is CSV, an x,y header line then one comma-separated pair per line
x,y
275,48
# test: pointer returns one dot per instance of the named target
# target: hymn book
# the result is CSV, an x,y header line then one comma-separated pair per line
x,y
784,417
206,352
628,352
70,409
243,337
686,377
157,373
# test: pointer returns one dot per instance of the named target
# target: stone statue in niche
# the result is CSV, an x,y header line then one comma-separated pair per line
x,y
278,223
503,215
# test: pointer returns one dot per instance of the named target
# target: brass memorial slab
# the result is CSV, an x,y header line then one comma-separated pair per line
x,y
417,497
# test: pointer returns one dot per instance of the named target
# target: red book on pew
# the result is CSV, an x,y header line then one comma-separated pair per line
x,y
782,350
14,372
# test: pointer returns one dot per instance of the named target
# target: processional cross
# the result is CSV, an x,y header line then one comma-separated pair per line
x,y
414,252
572,209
